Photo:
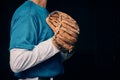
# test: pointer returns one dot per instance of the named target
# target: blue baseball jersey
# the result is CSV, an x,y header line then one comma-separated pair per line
x,y
29,28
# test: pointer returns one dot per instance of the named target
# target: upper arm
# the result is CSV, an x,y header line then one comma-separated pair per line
x,y
23,32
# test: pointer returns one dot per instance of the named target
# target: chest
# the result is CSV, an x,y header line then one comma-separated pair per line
x,y
44,32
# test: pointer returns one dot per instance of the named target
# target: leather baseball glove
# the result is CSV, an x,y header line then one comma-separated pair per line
x,y
65,28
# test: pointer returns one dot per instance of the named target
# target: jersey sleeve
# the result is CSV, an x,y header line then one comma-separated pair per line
x,y
23,32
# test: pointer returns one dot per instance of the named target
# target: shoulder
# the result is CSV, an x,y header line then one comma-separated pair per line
x,y
26,9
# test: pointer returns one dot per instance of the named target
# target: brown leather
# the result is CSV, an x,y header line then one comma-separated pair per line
x,y
65,28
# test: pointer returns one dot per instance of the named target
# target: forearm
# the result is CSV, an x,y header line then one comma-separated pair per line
x,y
22,59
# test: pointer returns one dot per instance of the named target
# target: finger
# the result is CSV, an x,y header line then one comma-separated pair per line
x,y
68,36
64,45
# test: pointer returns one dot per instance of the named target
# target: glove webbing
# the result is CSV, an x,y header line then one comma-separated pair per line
x,y
59,26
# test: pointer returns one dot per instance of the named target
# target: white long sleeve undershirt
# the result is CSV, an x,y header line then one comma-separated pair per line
x,y
22,59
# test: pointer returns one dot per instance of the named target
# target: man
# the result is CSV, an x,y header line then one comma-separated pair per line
x,y
33,56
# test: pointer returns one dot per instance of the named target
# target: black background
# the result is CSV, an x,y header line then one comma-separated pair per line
x,y
98,49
